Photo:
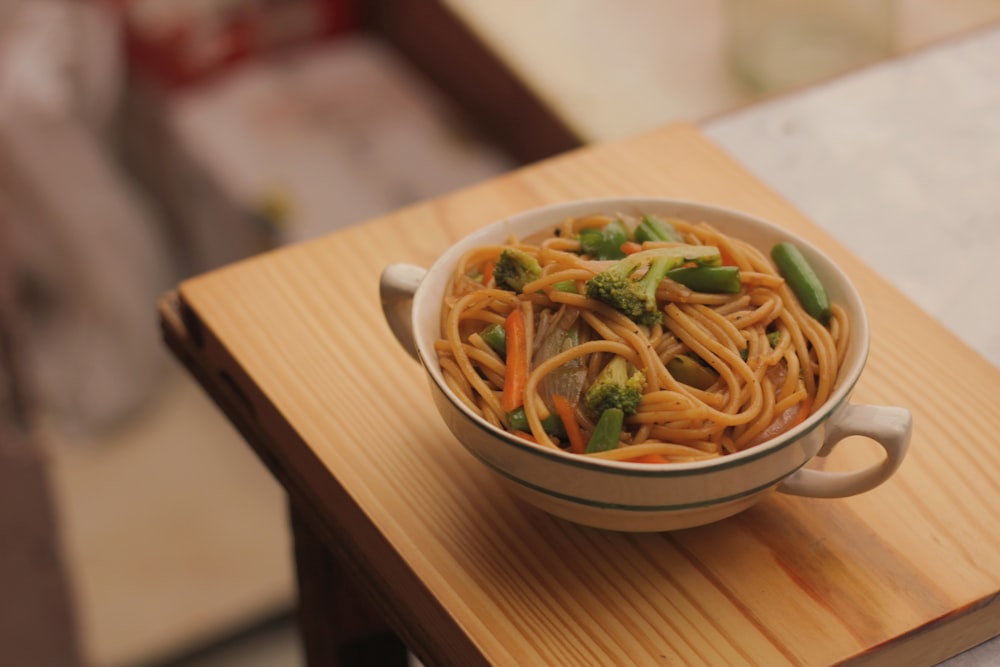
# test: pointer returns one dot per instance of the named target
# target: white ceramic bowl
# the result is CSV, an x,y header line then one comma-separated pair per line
x,y
653,497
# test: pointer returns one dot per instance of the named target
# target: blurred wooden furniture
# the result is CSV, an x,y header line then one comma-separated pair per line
x,y
292,345
437,39
38,621
540,78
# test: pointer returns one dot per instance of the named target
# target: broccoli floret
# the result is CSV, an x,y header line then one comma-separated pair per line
x,y
637,298
616,386
515,269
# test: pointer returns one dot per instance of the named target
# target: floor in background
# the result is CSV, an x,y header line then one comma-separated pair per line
x,y
271,644
176,535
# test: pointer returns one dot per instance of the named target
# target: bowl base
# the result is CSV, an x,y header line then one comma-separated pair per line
x,y
630,520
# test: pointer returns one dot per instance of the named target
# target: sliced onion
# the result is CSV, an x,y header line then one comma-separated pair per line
x,y
555,337
564,381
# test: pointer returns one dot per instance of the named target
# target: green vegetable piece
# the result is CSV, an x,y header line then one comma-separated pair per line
x,y
565,286
496,337
691,372
590,240
518,421
607,432
616,386
605,243
637,298
802,278
773,338
708,279
651,228
515,269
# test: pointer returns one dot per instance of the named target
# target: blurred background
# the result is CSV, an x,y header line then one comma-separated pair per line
x,y
144,141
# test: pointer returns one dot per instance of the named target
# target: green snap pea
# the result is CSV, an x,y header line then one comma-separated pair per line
x,y
604,243
802,278
709,279
607,431
552,424
496,338
691,372
651,228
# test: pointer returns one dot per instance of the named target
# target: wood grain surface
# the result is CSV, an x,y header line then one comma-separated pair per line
x,y
905,574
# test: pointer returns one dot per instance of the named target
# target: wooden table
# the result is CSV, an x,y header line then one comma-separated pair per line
x,y
292,345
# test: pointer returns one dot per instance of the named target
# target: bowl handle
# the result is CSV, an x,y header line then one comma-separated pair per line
x,y
398,284
890,427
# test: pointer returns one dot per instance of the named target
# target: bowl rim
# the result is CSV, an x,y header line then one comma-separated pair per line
x,y
845,383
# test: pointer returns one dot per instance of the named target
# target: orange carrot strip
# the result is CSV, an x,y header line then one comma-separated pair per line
x,y
568,417
727,259
524,435
516,375
488,272
630,247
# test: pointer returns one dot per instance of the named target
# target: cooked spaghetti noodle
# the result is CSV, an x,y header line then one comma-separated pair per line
x,y
761,361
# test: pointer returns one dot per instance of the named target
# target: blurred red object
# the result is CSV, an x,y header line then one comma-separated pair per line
x,y
176,43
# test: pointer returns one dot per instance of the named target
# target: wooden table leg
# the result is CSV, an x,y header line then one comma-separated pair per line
x,y
339,627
